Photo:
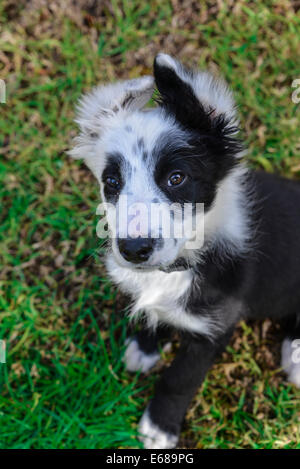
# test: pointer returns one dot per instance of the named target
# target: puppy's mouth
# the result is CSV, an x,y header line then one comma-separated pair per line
x,y
179,265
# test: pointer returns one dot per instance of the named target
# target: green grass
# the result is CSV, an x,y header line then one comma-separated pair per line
x,y
64,384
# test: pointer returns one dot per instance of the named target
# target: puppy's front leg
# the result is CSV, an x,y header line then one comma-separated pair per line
x,y
142,350
160,425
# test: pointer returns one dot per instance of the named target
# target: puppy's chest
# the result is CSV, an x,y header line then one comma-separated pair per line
x,y
154,290
161,296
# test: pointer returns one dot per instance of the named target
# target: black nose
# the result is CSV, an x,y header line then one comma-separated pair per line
x,y
136,250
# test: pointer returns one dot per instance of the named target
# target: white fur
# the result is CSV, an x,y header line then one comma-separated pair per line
x,y
290,366
157,294
228,219
103,109
153,437
103,103
136,360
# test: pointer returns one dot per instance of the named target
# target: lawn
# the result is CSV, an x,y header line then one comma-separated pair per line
x,y
64,323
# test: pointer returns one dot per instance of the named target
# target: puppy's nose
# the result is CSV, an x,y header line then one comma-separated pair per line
x,y
136,250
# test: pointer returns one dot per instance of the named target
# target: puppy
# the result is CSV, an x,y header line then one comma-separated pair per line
x,y
241,260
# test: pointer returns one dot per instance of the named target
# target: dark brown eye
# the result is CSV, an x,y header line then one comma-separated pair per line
x,y
112,182
176,178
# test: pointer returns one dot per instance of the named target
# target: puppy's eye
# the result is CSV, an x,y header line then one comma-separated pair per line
x,y
112,182
176,179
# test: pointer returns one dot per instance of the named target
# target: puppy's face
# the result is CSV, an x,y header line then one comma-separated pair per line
x,y
147,178
159,170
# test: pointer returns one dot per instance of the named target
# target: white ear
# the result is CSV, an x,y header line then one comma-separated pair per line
x,y
97,110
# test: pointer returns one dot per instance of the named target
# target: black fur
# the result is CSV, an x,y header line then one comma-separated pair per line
x,y
113,169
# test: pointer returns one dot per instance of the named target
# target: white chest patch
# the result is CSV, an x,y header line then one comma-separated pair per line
x,y
160,296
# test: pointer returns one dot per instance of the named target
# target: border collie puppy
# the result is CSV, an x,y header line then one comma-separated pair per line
x,y
246,264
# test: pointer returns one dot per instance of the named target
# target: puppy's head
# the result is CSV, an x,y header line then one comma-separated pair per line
x,y
155,165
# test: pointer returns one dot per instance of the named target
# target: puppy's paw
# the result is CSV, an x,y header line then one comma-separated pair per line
x,y
154,437
137,360
290,360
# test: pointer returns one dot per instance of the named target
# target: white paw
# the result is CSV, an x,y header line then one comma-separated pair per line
x,y
290,360
153,437
136,360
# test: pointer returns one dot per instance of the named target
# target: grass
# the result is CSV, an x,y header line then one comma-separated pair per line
x,y
64,384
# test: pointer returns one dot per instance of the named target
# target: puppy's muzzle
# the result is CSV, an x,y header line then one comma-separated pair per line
x,y
136,250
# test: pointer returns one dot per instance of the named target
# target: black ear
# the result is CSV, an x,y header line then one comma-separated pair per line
x,y
177,95
196,99
202,104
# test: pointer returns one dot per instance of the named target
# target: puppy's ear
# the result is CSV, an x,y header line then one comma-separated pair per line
x,y
196,99
98,109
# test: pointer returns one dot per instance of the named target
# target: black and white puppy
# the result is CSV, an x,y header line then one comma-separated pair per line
x,y
246,265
